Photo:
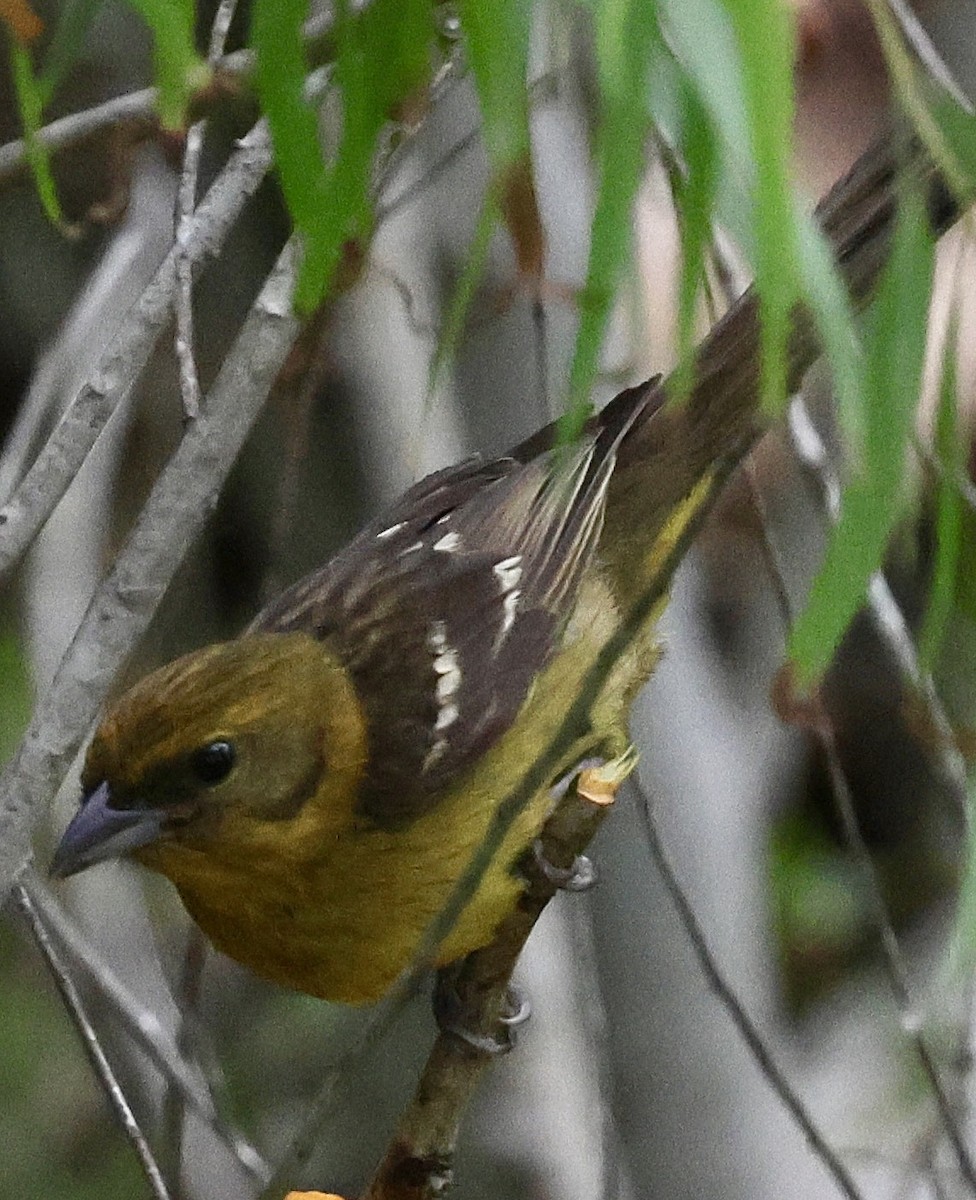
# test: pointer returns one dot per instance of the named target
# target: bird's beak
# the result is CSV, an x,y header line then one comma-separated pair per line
x,y
98,832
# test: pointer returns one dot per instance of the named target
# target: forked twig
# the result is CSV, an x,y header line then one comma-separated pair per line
x,y
185,205
92,1046
144,1027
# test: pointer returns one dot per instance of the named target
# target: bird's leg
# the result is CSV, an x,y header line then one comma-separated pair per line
x,y
595,778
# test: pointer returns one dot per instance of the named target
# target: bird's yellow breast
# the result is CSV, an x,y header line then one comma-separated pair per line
x,y
339,910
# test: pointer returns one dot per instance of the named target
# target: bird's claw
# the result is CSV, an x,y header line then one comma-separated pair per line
x,y
448,1014
579,877
597,779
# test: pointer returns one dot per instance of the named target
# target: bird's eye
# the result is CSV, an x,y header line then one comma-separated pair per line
x,y
213,763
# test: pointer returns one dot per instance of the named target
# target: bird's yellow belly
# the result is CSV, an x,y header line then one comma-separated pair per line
x,y
344,921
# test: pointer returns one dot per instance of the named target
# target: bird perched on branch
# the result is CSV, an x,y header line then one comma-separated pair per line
x,y
315,788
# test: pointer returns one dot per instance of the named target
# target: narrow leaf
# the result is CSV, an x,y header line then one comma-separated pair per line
x,y
30,104
177,68
764,34
626,31
870,507
950,452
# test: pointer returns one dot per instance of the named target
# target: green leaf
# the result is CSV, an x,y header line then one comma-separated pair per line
x,y
829,301
497,41
74,21
460,302
30,103
383,56
276,34
958,129
704,42
695,193
383,53
870,506
764,33
950,452
177,67
626,31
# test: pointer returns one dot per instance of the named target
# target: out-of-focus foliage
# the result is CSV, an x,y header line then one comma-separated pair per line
x,y
624,37
871,504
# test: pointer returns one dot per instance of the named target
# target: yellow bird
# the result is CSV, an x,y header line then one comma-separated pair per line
x,y
316,788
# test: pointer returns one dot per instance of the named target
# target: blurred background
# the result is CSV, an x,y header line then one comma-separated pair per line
x,y
630,1080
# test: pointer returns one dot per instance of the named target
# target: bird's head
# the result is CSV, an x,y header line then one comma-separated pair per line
x,y
204,753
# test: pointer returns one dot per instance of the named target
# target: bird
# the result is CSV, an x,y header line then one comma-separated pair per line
x,y
316,787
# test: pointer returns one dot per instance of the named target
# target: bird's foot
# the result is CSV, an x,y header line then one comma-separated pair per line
x,y
598,779
579,877
449,1014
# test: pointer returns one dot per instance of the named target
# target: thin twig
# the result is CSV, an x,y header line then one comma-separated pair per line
x,y
136,106
414,191
889,622
141,105
753,1039
183,294
143,1026
188,998
185,205
123,606
817,719
32,502
92,1046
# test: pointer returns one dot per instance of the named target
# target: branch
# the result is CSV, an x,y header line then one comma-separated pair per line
x,y
418,1163
122,608
33,501
186,203
229,71
143,1026
92,1046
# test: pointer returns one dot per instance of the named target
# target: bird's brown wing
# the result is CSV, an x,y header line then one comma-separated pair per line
x,y
446,610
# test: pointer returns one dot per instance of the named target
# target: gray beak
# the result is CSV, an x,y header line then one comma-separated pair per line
x,y
98,832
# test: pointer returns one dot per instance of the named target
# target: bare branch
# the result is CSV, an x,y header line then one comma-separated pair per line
x,y
418,1162
141,106
185,205
143,1026
122,608
93,1047
183,298
135,106
25,512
